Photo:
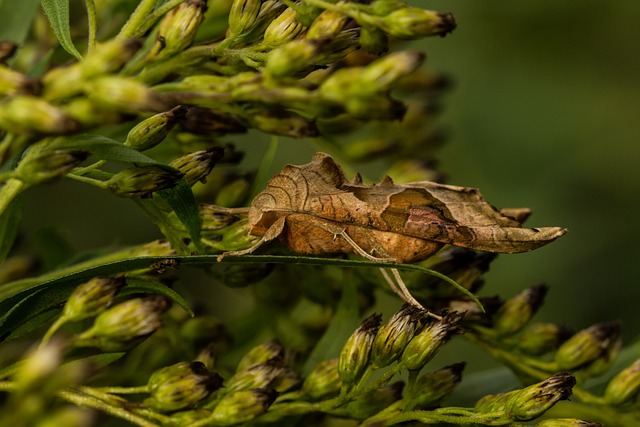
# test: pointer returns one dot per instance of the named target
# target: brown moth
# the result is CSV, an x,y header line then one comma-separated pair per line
x,y
314,209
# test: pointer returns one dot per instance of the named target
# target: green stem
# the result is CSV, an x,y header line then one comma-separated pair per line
x,y
10,191
52,330
144,17
124,390
93,28
87,180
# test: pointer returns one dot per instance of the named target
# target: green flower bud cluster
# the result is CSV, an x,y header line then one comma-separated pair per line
x,y
44,165
143,181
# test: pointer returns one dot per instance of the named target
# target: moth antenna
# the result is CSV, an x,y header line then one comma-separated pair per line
x,y
357,179
386,181
230,211
403,292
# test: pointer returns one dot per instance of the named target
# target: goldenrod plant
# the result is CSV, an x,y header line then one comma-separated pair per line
x,y
159,102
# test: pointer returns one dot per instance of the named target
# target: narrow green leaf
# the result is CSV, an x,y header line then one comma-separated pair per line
x,y
58,13
16,18
137,285
184,203
104,148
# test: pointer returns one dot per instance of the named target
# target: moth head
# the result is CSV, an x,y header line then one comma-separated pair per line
x,y
262,214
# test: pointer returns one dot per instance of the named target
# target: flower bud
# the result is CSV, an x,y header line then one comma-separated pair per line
x,y
62,82
142,181
323,380
197,166
413,23
49,165
281,122
587,346
124,94
243,16
287,379
282,29
327,25
204,121
212,219
13,82
109,57
124,325
354,357
383,73
207,356
269,10
625,386
92,297
516,312
567,422
535,400
435,386
181,386
393,336
28,114
426,344
257,376
292,58
90,114
272,350
152,131
178,28
540,338
235,237
242,406
530,402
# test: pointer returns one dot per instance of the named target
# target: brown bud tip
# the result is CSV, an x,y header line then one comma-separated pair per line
x,y
448,24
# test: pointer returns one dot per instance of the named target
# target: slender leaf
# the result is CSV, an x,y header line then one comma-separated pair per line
x,y
104,148
16,18
58,13
184,203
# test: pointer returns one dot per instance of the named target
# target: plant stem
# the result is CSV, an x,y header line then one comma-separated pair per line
x,y
10,191
91,18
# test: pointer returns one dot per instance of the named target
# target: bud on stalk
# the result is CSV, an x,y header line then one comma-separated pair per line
x,y
49,166
282,29
567,422
142,181
124,94
181,386
412,23
152,131
587,346
109,57
178,28
327,25
243,16
516,312
393,336
354,357
540,338
624,387
92,297
13,83
262,353
197,166
242,406
434,387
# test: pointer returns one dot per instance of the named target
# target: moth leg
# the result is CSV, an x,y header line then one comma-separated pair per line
x,y
406,295
272,233
230,211
342,233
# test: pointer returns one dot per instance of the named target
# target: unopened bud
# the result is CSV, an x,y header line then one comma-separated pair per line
x,y
92,297
354,357
393,336
256,376
261,353
181,386
62,82
291,58
323,380
516,312
235,237
435,386
285,381
212,219
28,114
426,344
567,422
178,28
204,121
152,131
49,165
535,400
283,123
207,356
587,346
197,166
269,10
124,325
90,114
327,25
13,82
625,386
242,406
142,181
383,73
243,16
413,23
282,29
124,94
540,338
109,57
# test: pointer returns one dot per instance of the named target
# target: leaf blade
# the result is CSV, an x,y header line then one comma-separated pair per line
x,y
57,12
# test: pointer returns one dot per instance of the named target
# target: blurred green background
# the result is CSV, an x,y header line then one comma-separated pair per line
x,y
545,113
